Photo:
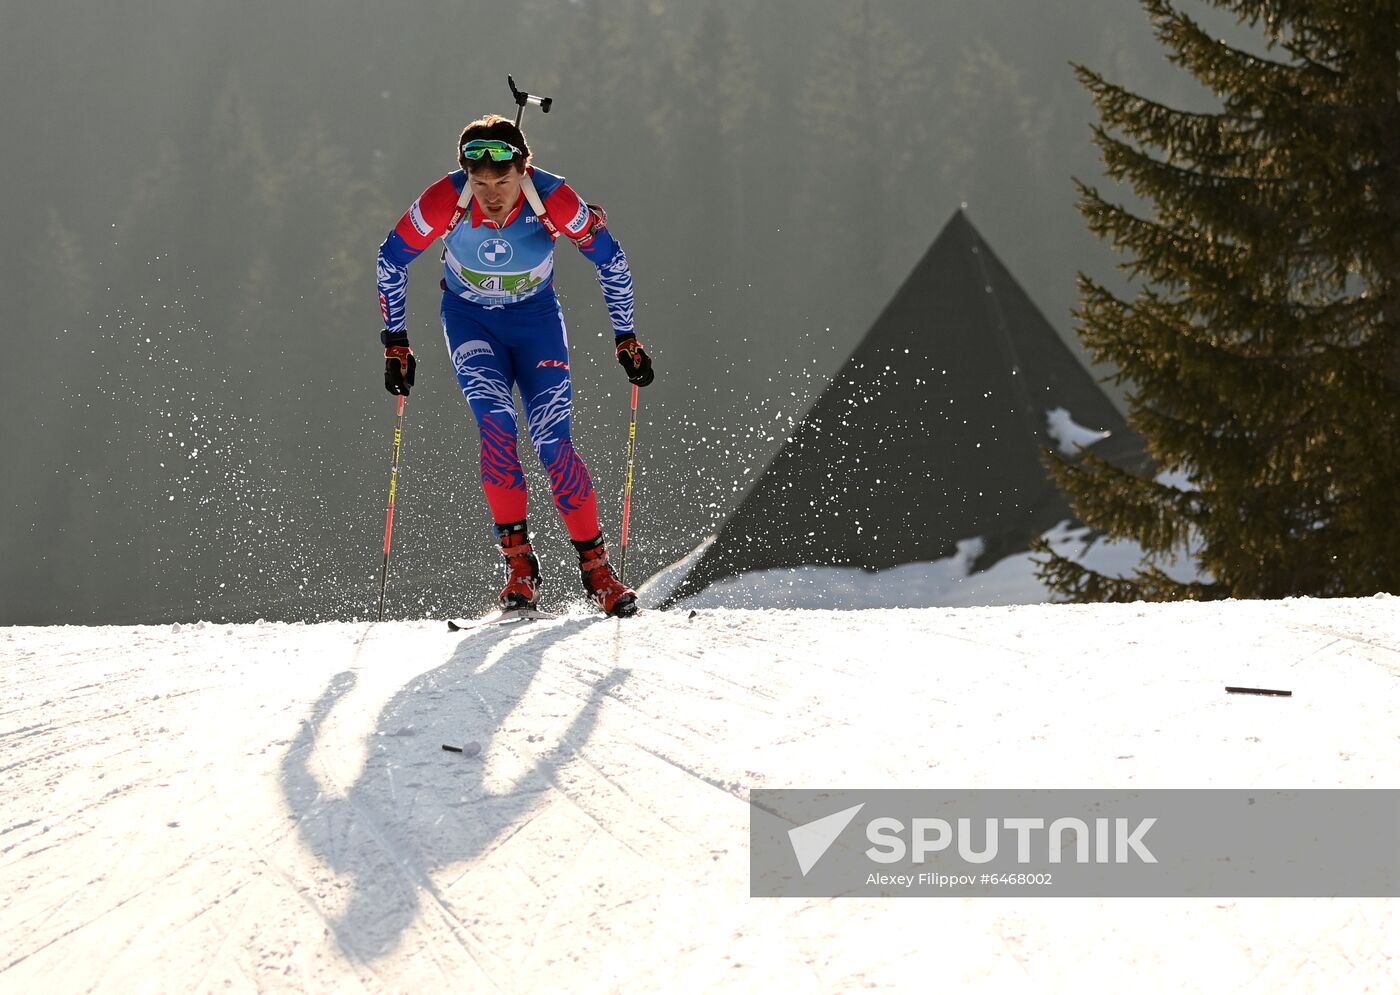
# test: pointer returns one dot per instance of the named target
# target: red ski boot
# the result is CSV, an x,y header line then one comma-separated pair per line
x,y
602,585
522,567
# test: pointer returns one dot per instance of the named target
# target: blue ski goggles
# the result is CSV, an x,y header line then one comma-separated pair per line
x,y
499,151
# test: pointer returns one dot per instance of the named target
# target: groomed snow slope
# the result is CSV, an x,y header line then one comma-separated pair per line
x,y
268,807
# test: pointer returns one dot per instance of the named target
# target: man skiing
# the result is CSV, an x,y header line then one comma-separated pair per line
x,y
498,217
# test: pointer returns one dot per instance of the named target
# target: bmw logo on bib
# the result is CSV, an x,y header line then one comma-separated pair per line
x,y
494,252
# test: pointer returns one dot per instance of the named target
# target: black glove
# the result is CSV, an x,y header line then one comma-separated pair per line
x,y
636,362
399,364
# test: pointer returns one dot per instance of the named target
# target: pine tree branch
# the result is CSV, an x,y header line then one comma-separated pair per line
x,y
1083,585
1212,141
1234,206
1187,366
1121,503
1077,583
1248,82
1173,255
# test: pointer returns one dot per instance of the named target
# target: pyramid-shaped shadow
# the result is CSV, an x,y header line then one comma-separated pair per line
x,y
932,432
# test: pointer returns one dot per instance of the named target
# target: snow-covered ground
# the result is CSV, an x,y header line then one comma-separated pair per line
x,y
948,583
268,807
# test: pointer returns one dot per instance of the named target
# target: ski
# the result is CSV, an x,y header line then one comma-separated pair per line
x,y
506,616
501,616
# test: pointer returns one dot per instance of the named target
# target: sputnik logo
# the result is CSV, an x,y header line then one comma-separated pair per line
x,y
811,841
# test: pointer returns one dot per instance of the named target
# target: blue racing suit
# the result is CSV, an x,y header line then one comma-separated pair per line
x,y
505,328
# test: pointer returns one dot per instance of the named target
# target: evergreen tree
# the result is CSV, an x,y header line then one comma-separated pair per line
x,y
994,149
1262,342
716,80
867,108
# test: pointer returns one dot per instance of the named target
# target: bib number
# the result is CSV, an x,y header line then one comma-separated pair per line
x,y
512,284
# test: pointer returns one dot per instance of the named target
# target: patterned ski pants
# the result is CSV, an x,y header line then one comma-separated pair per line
x,y
525,345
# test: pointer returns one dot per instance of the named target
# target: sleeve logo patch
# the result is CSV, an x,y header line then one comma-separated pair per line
x,y
420,225
579,221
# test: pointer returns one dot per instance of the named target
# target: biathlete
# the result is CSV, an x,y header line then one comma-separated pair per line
x,y
498,218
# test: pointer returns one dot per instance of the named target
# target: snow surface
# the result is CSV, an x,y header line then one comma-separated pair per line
x,y
948,583
1070,436
268,807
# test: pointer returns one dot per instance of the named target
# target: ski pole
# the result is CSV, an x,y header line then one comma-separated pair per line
x,y
389,518
627,489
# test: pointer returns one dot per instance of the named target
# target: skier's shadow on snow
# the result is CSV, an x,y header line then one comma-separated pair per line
x,y
415,808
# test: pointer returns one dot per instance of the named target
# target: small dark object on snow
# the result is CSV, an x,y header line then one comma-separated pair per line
x,y
451,749
1267,691
691,615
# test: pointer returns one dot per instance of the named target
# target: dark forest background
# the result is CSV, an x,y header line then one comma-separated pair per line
x,y
193,193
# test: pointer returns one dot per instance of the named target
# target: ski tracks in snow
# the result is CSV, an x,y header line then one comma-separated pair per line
x,y
131,777
268,807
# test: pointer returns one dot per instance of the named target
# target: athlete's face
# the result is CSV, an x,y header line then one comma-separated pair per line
x,y
496,190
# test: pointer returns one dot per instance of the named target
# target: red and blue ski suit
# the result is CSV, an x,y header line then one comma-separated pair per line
x,y
504,327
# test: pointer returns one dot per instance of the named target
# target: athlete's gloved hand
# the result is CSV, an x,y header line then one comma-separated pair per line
x,y
636,362
399,364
